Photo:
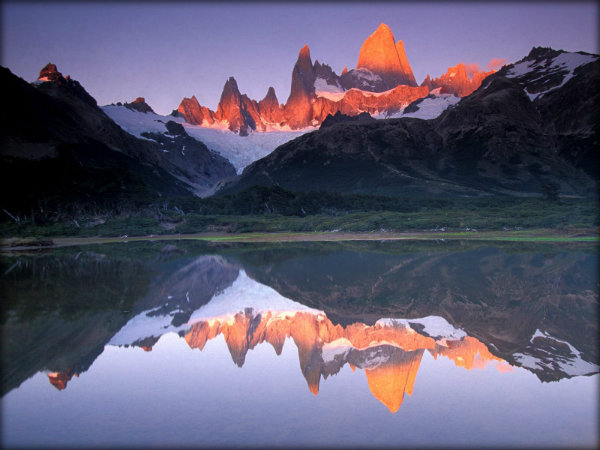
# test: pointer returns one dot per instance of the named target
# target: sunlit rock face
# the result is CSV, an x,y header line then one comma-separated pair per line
x,y
298,108
456,81
194,113
382,56
356,101
390,351
382,82
235,109
270,109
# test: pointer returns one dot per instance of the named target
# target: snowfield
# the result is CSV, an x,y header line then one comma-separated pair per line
x,y
429,108
241,151
334,93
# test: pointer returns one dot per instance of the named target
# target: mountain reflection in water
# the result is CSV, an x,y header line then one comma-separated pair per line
x,y
379,308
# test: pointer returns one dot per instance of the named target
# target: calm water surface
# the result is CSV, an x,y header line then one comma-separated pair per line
x,y
368,344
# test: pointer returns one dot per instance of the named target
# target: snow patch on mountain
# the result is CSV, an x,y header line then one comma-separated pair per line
x,y
565,63
243,294
331,92
239,150
572,364
434,326
431,107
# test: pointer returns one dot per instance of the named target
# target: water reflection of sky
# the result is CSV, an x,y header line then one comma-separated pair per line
x,y
175,395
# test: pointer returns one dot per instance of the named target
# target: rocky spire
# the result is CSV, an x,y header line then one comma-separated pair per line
x,y
379,54
298,109
406,69
232,109
269,107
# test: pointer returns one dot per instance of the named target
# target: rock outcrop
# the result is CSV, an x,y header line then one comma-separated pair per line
x,y
50,73
194,113
140,105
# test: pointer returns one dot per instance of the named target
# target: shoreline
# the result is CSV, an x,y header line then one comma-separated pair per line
x,y
540,235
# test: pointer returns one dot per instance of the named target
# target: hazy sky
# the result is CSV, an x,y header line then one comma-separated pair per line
x,y
165,51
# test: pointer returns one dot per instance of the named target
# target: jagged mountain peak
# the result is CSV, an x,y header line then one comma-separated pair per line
x,y
379,54
271,96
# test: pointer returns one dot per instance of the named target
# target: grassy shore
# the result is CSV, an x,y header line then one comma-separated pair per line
x,y
226,219
540,235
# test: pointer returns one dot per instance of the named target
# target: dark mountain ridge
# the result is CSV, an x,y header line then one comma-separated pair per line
x,y
58,147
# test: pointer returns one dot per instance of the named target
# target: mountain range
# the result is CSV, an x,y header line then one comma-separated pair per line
x,y
526,129
532,124
382,83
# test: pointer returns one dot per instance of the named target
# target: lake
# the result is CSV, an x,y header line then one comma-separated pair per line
x,y
320,344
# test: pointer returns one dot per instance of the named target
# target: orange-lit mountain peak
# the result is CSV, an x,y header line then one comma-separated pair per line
x,y
383,29
379,54
304,52
389,382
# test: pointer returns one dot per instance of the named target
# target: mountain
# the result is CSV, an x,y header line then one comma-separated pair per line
x,y
382,84
456,81
531,125
381,56
69,152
